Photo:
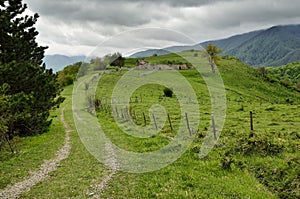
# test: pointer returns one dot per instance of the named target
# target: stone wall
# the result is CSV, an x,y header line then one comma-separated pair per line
x,y
144,65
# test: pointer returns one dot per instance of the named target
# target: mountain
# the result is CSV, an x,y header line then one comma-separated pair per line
x,y
58,62
275,46
233,42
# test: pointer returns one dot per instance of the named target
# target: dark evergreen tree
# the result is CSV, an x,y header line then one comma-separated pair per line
x,y
17,34
31,90
117,60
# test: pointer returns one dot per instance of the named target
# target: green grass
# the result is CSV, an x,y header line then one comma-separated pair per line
x,y
276,124
173,58
244,164
76,174
31,151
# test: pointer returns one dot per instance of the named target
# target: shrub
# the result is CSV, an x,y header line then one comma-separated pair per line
x,y
168,92
259,144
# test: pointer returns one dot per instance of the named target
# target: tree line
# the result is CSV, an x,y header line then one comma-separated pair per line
x,y
69,74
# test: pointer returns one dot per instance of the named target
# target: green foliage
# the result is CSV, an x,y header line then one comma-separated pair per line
x,y
116,59
17,34
288,75
3,115
68,74
31,90
100,64
32,93
298,85
213,52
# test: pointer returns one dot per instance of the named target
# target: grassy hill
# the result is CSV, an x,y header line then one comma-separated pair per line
x,y
258,164
263,163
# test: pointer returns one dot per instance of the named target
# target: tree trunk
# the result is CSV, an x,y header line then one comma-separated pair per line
x,y
212,64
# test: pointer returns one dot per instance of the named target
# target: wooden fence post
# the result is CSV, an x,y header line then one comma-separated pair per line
x,y
188,124
117,112
251,121
154,119
170,121
214,126
123,116
145,118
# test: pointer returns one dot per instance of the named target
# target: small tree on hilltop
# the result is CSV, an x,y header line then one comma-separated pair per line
x,y
213,57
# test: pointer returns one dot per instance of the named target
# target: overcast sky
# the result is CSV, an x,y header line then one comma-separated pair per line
x,y
76,27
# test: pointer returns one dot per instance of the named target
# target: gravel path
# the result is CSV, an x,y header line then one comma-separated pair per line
x,y
114,166
13,191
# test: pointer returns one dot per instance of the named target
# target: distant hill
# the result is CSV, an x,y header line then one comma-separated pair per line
x,y
149,53
58,62
275,46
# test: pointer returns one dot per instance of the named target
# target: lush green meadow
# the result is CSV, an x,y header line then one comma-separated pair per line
x,y
256,164
263,163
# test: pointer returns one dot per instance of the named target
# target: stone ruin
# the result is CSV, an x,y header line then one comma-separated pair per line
x,y
142,64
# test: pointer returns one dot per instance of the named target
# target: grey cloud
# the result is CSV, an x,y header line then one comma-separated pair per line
x,y
125,13
90,22
235,14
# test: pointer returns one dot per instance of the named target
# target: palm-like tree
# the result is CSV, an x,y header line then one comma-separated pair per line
x,y
213,57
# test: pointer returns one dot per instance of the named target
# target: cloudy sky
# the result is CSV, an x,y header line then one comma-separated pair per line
x,y
76,27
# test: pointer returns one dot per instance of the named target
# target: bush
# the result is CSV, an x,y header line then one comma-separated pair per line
x,y
259,144
168,92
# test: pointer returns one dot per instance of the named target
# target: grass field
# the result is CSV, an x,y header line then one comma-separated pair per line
x,y
258,164
263,163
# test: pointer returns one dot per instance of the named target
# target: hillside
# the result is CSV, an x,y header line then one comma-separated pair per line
x,y
253,164
289,73
275,46
261,154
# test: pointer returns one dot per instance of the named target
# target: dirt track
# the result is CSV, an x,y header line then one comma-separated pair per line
x,y
13,191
